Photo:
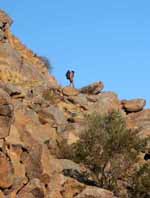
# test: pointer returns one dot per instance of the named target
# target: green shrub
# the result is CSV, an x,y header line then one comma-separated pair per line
x,y
107,148
140,183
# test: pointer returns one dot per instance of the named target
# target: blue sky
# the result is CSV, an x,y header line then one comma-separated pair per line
x,y
101,40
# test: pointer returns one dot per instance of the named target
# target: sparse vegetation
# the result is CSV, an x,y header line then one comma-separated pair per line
x,y
107,148
140,183
50,96
47,63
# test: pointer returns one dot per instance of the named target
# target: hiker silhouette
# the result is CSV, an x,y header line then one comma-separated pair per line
x,y
70,77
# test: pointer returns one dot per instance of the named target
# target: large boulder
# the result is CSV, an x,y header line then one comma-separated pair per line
x,y
70,91
134,105
94,88
93,192
106,103
141,121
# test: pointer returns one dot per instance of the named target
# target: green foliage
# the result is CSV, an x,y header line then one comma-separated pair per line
x,y
107,148
140,183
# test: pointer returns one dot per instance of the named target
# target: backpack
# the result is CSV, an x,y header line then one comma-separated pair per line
x,y
68,74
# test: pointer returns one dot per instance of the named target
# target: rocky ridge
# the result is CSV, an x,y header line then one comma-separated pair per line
x,y
36,114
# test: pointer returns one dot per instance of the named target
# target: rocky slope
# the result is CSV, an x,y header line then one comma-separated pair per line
x,y
36,114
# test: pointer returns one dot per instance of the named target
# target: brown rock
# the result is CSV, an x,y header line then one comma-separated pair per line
x,y
79,100
52,81
1,194
94,192
6,114
94,88
5,18
106,102
69,91
71,188
140,120
6,172
133,105
34,189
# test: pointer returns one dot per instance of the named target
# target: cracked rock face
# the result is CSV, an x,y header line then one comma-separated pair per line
x,y
6,172
6,114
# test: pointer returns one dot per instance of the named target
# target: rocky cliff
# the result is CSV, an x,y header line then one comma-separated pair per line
x,y
36,114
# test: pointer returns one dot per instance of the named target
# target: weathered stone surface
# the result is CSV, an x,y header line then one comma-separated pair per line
x,y
69,91
5,18
140,120
134,105
94,88
56,114
1,194
93,192
6,114
52,82
6,172
34,189
79,100
106,102
71,188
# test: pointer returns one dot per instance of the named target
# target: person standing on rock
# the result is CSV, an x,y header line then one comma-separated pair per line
x,y
70,77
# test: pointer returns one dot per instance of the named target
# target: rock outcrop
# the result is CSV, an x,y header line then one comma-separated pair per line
x,y
133,105
94,88
37,115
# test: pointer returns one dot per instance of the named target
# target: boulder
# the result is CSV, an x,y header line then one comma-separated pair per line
x,y
106,103
13,91
71,188
140,120
94,88
56,114
70,91
93,192
33,189
134,105
79,100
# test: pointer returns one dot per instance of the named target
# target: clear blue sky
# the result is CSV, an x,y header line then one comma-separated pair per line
x,y
101,40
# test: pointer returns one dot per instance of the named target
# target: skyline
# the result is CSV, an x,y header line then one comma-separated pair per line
x,y
106,41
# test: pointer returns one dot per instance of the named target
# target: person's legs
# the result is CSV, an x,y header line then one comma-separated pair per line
x,y
71,83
